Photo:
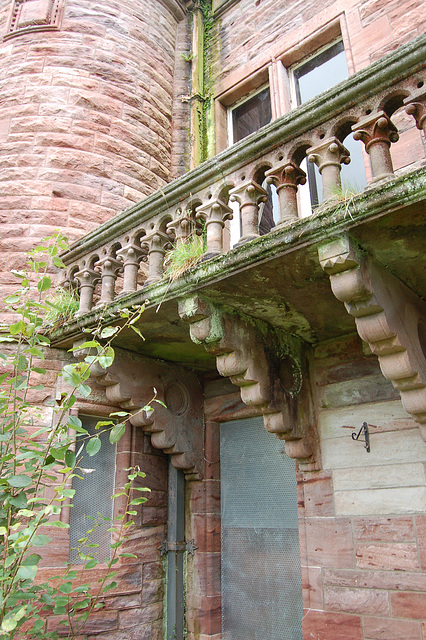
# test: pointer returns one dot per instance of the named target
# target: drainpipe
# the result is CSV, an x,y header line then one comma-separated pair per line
x,y
197,85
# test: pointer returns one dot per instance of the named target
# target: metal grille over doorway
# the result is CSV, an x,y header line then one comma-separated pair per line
x,y
261,583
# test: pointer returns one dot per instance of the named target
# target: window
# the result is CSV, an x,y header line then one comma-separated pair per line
x,y
319,73
92,498
249,115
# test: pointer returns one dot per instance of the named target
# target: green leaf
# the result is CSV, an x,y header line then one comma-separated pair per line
x,y
117,432
127,555
44,283
93,446
106,358
31,560
27,573
136,330
108,332
66,587
40,540
91,564
18,327
19,481
138,501
70,458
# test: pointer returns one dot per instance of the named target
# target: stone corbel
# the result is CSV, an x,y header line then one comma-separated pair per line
x,y
132,381
272,374
388,316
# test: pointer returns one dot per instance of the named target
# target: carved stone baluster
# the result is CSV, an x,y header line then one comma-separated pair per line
x,y
87,279
214,213
377,132
416,107
180,227
329,157
109,270
130,256
249,196
286,177
156,251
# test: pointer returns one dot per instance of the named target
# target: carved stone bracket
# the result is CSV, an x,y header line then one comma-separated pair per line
x,y
388,316
132,381
272,373
416,107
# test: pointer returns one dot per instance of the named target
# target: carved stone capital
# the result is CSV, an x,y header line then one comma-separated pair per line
x,y
181,226
109,268
156,245
388,316
377,132
329,156
131,255
286,177
87,279
272,375
131,382
416,107
249,196
214,213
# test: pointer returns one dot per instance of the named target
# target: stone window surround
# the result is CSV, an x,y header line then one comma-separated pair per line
x,y
275,72
47,20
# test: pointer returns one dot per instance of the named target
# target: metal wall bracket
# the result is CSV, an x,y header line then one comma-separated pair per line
x,y
177,547
365,431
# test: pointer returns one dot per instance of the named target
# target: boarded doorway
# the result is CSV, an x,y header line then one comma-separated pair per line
x,y
261,583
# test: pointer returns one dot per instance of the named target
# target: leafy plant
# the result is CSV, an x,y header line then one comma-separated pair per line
x,y
184,255
38,461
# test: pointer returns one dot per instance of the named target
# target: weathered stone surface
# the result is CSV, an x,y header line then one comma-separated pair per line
x,y
408,605
391,629
322,625
396,556
363,601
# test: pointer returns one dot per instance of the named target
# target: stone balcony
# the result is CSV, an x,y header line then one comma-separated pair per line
x,y
280,279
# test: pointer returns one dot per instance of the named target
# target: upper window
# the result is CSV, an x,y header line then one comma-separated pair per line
x,y
321,72
249,115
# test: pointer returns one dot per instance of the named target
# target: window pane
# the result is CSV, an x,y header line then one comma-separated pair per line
x,y
321,73
251,115
93,496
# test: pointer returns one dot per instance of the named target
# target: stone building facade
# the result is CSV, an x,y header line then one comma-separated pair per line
x,y
127,125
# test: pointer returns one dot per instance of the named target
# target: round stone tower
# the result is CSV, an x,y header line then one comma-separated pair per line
x,y
86,102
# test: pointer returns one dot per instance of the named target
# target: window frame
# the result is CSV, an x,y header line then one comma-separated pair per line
x,y
230,110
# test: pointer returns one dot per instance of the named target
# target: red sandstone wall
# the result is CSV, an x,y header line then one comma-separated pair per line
x,y
249,35
85,118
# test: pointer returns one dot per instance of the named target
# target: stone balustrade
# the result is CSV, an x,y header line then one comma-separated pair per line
x,y
128,252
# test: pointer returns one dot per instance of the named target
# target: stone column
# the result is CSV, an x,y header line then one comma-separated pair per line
x,y
156,252
329,157
377,132
109,270
286,177
416,107
248,195
214,213
130,256
87,279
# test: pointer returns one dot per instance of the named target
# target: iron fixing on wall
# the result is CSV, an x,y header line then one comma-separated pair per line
x,y
364,430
